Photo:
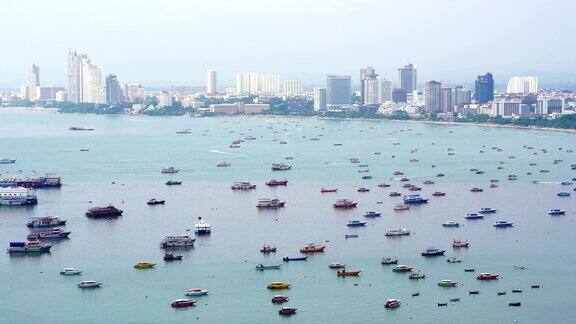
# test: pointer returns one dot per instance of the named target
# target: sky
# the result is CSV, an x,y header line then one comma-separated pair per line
x,y
173,42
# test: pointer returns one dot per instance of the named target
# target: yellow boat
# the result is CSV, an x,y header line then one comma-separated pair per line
x,y
144,265
279,285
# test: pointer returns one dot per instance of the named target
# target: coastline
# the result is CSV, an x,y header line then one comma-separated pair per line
x,y
565,130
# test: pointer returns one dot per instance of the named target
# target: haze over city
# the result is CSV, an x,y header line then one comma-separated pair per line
x,y
171,43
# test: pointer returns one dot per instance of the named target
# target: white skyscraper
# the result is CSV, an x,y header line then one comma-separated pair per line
x,y
370,91
33,75
211,82
384,90
74,73
319,99
246,83
91,85
523,85
293,87
270,83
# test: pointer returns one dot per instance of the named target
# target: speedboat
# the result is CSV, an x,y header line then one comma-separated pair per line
x,y
351,236
277,285
474,216
268,248
287,311
402,268
417,275
383,185
438,194
432,252
183,303
428,182
144,265
388,261
556,212
70,272
172,257
173,183
242,185
288,259
362,189
355,223
451,224
275,182
563,194
397,232
89,284
447,283
196,292
336,265
279,299
312,248
343,273
460,244
223,164
487,210
154,201
502,224
453,260
371,214
7,161
392,303
280,167
488,276
202,227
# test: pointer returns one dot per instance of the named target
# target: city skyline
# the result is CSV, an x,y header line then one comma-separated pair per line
x,y
339,48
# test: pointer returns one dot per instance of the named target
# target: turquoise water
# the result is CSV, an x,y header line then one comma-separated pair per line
x,y
123,168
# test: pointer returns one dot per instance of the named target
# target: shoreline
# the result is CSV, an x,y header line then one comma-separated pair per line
x,y
565,130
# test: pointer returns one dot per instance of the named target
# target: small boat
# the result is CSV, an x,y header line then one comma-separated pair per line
x,y
169,170
50,234
515,304
566,183
223,164
183,303
460,244
486,276
77,128
43,222
493,185
70,272
383,185
389,260
343,273
517,291
172,257
7,161
275,182
392,303
475,189
351,236
287,311
433,252
428,182
362,189
442,304
288,259
417,275
327,190
473,292
394,194
414,199
242,185
451,224
401,207
336,265
454,300
557,212
447,283
280,167
503,224
280,299
501,293
415,294
268,248
487,210
154,201
277,285
402,268
270,203
440,175
202,227
173,183
355,223
563,194
89,284
144,265
474,216
469,270
184,131
397,232
453,260
196,292
312,248
404,179
438,194
372,214
415,188
535,286
178,241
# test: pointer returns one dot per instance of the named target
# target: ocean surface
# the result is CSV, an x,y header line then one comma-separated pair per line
x,y
122,167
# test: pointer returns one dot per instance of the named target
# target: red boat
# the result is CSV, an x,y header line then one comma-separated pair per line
x,y
345,203
183,303
106,211
325,190
488,276
274,182
279,299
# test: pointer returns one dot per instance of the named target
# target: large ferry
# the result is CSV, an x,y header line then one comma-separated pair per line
x,y
243,185
37,182
270,203
55,233
106,211
48,221
177,241
17,196
26,247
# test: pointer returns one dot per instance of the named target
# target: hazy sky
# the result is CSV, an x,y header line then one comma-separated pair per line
x,y
170,42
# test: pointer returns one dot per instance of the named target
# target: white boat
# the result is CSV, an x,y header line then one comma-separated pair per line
x,y
280,167
196,292
177,241
223,164
270,203
48,221
70,272
398,232
17,196
170,170
202,227
6,161
243,185
89,284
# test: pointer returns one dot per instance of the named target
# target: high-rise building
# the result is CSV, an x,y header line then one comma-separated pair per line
x,y
33,75
91,85
319,99
462,96
133,92
28,90
367,73
211,82
74,74
549,105
408,77
484,88
114,93
507,108
399,95
246,83
165,99
384,90
433,96
522,85
447,99
370,89
293,87
269,84
338,91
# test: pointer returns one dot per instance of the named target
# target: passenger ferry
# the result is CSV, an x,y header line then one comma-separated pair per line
x,y
177,241
344,203
415,199
275,182
47,181
28,247
243,185
270,203
43,222
280,167
17,196
202,227
55,233
106,211
398,232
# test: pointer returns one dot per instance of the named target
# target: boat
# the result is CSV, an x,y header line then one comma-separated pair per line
x,y
397,173
184,131
383,185
355,223
344,203
428,182
515,304
415,199
566,183
517,291
417,275
453,300
503,224
89,284
177,241
144,265
563,194
440,175
402,268
196,292
351,236
487,276
243,185
280,299
451,224
401,207
447,283
169,170
344,273
47,181
556,212
288,259
474,216
17,196
366,177
394,194
274,182
473,292
476,189
535,286
202,227
173,183
70,272
460,244
223,164
268,248
372,214
234,146
277,285
487,210
270,203
154,201
287,311
312,248
28,247
172,257
414,188
416,294
54,233
453,260
280,167
392,303
76,128
336,265
102,212
7,161
432,252
438,193
327,190
404,179
389,261
362,189
397,232
183,303
44,222
493,185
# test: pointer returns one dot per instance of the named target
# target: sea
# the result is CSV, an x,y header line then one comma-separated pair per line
x,y
120,164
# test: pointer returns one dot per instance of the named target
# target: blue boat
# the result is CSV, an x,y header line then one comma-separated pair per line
x,y
371,214
367,177
288,259
415,199
474,216
503,224
356,223
563,194
432,252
